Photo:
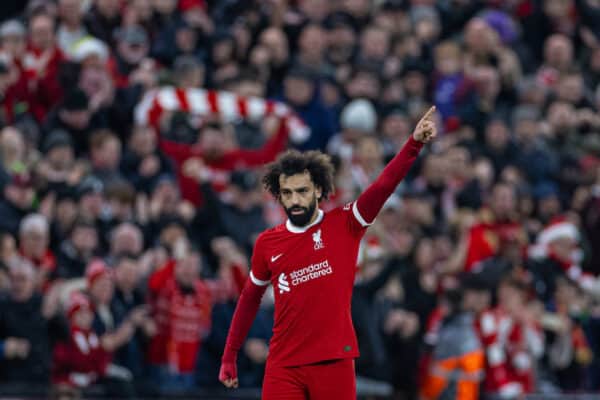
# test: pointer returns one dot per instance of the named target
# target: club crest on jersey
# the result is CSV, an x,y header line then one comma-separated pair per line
x,y
283,284
317,239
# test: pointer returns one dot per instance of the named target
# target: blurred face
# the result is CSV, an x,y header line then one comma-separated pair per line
x,y
424,255
61,158
503,201
496,135
164,6
564,248
558,52
91,204
276,42
435,170
41,32
127,240
341,44
223,52
186,39
14,45
212,142
108,8
476,301
312,43
484,173
299,197
107,155
479,37
375,44
548,207
363,84
143,141
127,274
187,270
12,145
70,11
562,116
85,240
22,282
102,289
396,127
34,243
132,53
510,298
20,196
369,151
315,10
83,318
526,131
570,88
414,84
298,91
458,160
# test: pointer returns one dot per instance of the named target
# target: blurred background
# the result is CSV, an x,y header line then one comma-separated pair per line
x,y
134,134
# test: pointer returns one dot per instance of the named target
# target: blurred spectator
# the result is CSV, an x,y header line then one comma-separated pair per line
x,y
181,307
27,328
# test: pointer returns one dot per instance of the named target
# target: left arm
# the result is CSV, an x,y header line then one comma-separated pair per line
x,y
371,201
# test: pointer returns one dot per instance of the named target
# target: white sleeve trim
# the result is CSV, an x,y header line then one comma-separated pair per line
x,y
359,217
257,281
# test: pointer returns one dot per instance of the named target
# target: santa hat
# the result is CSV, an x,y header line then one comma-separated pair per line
x,y
559,228
97,269
77,302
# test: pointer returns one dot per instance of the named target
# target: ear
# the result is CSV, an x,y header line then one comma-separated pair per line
x,y
318,192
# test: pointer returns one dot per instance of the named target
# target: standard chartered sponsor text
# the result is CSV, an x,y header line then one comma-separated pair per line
x,y
313,271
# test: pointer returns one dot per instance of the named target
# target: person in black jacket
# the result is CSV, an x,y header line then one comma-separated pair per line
x,y
27,329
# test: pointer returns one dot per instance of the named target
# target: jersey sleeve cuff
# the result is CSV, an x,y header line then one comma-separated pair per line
x,y
257,281
359,217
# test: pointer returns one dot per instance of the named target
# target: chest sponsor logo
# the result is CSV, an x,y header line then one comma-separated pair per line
x,y
316,236
283,284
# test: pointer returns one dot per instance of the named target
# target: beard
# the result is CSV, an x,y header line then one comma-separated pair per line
x,y
301,219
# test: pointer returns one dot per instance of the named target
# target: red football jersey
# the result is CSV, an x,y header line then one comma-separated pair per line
x,y
312,271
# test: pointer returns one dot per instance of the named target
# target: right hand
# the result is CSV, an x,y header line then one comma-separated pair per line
x,y
228,374
16,348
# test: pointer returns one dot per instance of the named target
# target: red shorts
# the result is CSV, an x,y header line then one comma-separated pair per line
x,y
322,381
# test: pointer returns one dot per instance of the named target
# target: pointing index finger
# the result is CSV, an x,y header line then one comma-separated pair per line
x,y
428,113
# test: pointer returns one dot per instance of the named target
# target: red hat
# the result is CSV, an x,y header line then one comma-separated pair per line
x,y
186,5
77,302
558,228
97,269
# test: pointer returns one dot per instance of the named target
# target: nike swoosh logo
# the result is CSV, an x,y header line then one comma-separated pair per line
x,y
274,258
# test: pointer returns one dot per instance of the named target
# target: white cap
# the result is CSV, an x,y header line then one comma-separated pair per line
x,y
359,115
87,47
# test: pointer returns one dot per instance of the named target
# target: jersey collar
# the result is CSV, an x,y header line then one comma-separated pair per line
x,y
300,229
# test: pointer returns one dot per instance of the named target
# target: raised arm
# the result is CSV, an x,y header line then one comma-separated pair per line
x,y
371,201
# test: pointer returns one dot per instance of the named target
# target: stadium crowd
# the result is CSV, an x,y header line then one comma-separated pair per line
x,y
130,197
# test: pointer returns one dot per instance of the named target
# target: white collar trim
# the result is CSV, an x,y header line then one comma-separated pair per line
x,y
300,229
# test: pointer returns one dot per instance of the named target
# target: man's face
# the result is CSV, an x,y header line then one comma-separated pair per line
x,y
299,197
41,31
187,270
298,91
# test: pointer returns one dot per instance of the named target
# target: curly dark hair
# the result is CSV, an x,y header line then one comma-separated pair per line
x,y
293,162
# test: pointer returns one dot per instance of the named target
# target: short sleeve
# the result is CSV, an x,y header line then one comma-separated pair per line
x,y
259,270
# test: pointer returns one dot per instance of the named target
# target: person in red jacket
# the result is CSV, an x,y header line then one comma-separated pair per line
x,y
181,305
218,152
81,360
